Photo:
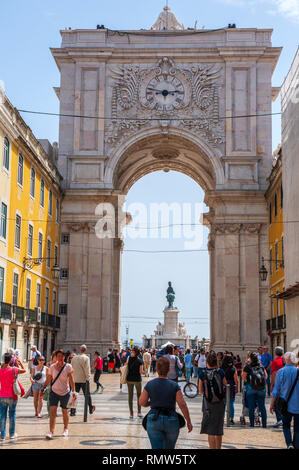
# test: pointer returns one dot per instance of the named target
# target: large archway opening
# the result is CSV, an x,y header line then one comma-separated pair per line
x,y
164,177
165,241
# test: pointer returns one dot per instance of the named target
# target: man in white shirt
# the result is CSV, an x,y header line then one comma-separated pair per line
x,y
35,354
147,359
81,366
201,359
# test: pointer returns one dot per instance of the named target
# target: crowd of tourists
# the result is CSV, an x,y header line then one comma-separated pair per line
x,y
219,377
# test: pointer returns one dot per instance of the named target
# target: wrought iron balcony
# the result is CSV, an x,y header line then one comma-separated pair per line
x,y
276,323
50,320
5,311
19,313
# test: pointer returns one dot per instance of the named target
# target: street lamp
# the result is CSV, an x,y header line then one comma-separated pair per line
x,y
263,271
55,271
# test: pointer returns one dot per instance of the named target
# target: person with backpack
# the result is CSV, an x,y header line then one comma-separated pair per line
x,y
211,385
231,376
175,368
255,377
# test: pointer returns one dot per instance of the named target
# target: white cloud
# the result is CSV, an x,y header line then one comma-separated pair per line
x,y
287,8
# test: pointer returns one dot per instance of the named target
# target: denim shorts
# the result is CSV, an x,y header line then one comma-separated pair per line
x,y
36,387
54,399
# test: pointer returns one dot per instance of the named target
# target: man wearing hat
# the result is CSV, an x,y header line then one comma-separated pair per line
x,y
34,357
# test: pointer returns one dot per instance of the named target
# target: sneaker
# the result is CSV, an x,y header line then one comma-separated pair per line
x,y
49,435
2,439
231,421
139,415
92,410
13,436
276,425
131,416
65,433
291,446
96,391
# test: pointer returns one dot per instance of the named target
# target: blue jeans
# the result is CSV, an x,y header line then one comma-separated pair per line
x,y
268,381
278,415
10,405
287,429
256,397
231,407
164,432
195,371
188,373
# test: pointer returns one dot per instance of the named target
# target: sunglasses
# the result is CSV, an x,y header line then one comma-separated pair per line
x,y
41,360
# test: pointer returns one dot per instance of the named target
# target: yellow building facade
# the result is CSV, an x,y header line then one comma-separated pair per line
x,y
276,323
30,199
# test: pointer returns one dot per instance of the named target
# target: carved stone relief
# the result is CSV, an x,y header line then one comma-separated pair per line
x,y
144,96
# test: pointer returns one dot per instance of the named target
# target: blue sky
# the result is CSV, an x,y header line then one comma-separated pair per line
x,y
29,73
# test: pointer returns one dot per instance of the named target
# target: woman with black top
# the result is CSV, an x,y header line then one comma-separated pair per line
x,y
135,369
255,396
117,361
162,394
232,379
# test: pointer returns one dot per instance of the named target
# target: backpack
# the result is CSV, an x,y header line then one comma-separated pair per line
x,y
257,378
213,386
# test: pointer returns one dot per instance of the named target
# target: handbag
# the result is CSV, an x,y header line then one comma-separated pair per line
x,y
165,411
37,376
16,386
29,393
124,373
281,403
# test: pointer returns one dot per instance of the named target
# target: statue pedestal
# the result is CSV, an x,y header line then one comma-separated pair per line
x,y
170,322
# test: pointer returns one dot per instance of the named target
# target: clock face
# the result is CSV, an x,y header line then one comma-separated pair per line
x,y
164,93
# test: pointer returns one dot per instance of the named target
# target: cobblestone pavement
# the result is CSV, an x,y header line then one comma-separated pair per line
x,y
110,427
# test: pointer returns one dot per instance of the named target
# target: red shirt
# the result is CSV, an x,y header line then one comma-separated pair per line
x,y
98,363
277,364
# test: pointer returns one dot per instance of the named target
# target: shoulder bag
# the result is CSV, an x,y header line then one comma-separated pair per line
x,y
281,403
124,373
16,386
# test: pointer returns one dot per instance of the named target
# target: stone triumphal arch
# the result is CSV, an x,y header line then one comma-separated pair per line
x,y
133,102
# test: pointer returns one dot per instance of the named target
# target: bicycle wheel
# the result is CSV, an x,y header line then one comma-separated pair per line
x,y
190,390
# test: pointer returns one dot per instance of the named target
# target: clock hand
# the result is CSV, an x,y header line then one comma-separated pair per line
x,y
154,89
178,91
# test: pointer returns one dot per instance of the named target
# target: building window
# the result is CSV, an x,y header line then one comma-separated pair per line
x,y
42,193
6,153
62,309
30,240
54,303
275,205
65,238
3,224
281,196
47,300
32,182
276,257
20,169
282,252
57,211
48,253
1,285
40,245
50,209
271,262
13,339
38,291
272,308
18,231
55,255
270,213
15,289
28,293
277,305
64,273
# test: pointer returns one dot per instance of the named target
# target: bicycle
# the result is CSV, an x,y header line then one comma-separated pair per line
x,y
190,389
